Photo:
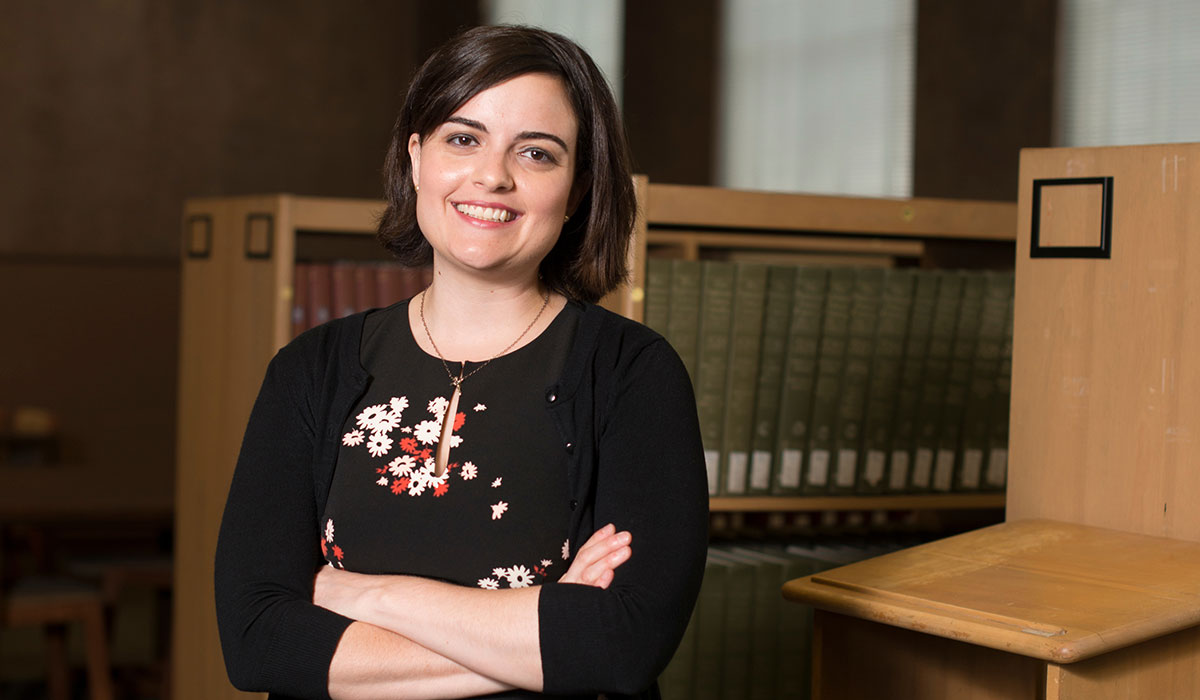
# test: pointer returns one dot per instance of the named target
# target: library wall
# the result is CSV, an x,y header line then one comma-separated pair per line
x,y
97,343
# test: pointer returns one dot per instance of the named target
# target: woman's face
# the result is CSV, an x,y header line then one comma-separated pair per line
x,y
495,180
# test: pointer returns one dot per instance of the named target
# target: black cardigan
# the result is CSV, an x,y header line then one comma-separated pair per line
x,y
627,417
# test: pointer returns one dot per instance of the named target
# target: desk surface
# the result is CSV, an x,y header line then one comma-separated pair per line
x,y
76,493
1055,591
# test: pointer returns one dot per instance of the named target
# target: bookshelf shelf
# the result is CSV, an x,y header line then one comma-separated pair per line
x,y
799,504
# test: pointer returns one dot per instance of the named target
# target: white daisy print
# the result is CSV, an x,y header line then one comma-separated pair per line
x,y
489,584
406,429
402,465
382,481
371,415
389,422
496,483
498,510
519,577
427,431
398,404
566,550
500,572
416,487
379,444
438,406
455,440
353,438
480,407
546,562
329,530
468,471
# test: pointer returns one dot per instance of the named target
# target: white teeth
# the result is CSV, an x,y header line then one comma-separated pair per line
x,y
485,213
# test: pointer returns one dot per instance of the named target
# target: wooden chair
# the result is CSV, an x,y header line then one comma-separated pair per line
x,y
53,603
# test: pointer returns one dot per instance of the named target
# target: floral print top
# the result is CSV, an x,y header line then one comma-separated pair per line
x,y
499,515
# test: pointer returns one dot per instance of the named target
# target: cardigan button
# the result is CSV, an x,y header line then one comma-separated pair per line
x,y
574,504
551,397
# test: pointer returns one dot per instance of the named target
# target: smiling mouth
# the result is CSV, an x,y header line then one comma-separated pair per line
x,y
486,213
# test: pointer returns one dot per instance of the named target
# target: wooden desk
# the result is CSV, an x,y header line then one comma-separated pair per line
x,y
1026,609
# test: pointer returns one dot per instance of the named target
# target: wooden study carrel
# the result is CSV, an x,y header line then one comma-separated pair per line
x,y
1091,588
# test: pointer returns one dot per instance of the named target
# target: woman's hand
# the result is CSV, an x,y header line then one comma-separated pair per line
x,y
599,557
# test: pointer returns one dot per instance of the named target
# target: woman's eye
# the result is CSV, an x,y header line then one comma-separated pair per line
x,y
461,140
539,156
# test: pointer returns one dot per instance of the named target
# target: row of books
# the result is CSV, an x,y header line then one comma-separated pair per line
x,y
744,641
327,290
818,380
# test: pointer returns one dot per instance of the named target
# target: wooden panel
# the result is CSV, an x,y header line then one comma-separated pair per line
x,y
956,501
856,659
1056,591
1106,395
1161,668
681,205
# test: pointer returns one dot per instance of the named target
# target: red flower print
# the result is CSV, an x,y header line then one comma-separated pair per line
x,y
441,490
424,454
337,552
399,485
452,466
459,419
381,470
409,445
324,549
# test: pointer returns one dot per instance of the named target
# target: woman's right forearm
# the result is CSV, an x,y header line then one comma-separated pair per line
x,y
371,662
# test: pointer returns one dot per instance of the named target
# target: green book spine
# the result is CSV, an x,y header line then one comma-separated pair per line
x,y
934,376
977,418
739,624
799,378
948,462
741,384
890,336
777,314
716,316
996,471
856,376
683,319
657,307
768,606
675,682
908,393
835,328
710,629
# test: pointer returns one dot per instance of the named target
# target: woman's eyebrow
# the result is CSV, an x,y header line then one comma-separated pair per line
x,y
523,135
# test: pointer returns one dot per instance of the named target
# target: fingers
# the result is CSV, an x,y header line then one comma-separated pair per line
x,y
598,558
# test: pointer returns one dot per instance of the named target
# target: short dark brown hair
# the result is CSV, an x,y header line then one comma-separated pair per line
x,y
589,258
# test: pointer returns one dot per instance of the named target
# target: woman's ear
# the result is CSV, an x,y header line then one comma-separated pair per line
x,y
583,183
414,155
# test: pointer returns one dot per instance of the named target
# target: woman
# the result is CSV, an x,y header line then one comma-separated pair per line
x,y
504,482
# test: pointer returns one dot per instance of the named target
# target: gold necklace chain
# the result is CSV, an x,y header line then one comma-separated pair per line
x,y
457,381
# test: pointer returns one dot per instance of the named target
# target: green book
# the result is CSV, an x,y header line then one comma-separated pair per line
x,y
793,672
657,308
996,470
683,318
741,382
716,317
977,414
908,392
856,375
831,358
934,377
799,378
740,601
777,312
676,680
710,629
948,460
771,574
890,336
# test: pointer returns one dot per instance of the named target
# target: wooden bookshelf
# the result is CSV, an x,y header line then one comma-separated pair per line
x,y
239,255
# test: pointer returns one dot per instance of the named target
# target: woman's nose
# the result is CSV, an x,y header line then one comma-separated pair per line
x,y
492,172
